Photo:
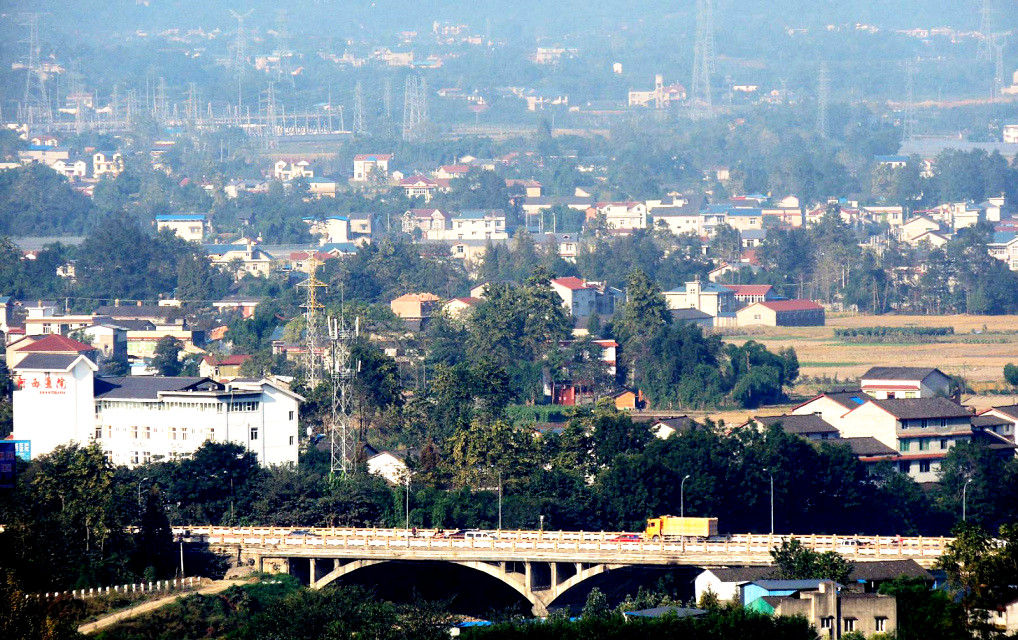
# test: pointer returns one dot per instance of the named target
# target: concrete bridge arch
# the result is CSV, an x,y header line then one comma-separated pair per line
x,y
539,583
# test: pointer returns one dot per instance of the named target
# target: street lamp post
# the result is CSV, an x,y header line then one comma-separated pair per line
x,y
139,489
500,500
772,503
682,497
964,499
542,522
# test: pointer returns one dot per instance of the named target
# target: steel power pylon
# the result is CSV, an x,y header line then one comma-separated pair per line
x,y
36,106
358,110
415,109
984,51
998,42
822,94
283,50
908,120
701,103
239,60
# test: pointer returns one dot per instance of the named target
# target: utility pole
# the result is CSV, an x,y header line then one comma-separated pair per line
x,y
822,95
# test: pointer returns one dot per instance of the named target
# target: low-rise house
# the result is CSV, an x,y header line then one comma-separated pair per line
x,y
530,188
832,405
389,466
922,430
905,382
869,451
360,226
107,163
415,307
246,305
371,167
679,220
692,316
623,216
188,226
660,97
427,220
916,227
811,426
533,205
418,186
322,187
43,154
1004,246
827,607
782,313
866,577
893,216
710,298
476,224
71,168
566,245
460,308
582,298
746,294
53,344
1005,413
244,259
330,228
629,400
664,427
935,240
287,171
451,171
726,583
222,368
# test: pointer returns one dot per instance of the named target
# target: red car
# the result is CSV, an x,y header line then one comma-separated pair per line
x,y
627,537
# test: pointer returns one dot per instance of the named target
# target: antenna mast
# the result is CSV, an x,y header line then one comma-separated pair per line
x,y
312,341
342,436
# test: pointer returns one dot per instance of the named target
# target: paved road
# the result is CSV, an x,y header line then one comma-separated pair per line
x,y
152,605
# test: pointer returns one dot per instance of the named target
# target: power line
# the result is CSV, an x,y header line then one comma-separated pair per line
x,y
822,95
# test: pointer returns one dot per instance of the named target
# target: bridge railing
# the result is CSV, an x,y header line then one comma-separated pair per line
x,y
554,542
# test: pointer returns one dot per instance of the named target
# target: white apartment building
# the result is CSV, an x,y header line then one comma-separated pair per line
x,y
371,166
623,215
189,226
58,400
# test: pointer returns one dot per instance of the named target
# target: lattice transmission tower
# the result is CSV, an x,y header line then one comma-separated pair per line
x,y
984,51
358,110
823,91
283,51
415,109
998,41
239,60
313,344
908,120
35,106
704,64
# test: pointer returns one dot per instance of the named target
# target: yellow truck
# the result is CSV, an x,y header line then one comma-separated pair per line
x,y
675,528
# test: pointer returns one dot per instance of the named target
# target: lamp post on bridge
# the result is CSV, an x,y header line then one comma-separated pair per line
x,y
139,489
771,474
682,497
500,500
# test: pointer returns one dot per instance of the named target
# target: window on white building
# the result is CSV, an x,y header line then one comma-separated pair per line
x,y
827,623
254,433
134,432
134,457
924,466
291,415
173,433
98,431
146,457
849,624
148,432
879,623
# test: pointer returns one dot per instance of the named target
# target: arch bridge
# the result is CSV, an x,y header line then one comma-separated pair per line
x,y
539,565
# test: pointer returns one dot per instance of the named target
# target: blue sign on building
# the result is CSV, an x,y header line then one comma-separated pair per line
x,y
23,449
8,464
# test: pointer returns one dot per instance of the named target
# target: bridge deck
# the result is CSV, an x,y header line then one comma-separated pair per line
x,y
551,546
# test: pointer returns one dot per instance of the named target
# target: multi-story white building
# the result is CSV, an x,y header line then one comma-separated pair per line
x,y
623,215
371,166
58,400
189,226
103,163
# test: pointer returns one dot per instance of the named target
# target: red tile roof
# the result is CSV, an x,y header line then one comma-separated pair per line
x,y
227,361
792,305
571,282
55,343
750,289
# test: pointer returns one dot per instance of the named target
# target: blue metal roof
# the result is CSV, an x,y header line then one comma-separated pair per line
x,y
1003,237
180,217
891,158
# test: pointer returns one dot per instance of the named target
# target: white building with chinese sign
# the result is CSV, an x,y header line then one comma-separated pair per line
x,y
59,399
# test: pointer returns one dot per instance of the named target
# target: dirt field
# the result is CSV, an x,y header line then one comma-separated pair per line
x,y
978,350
